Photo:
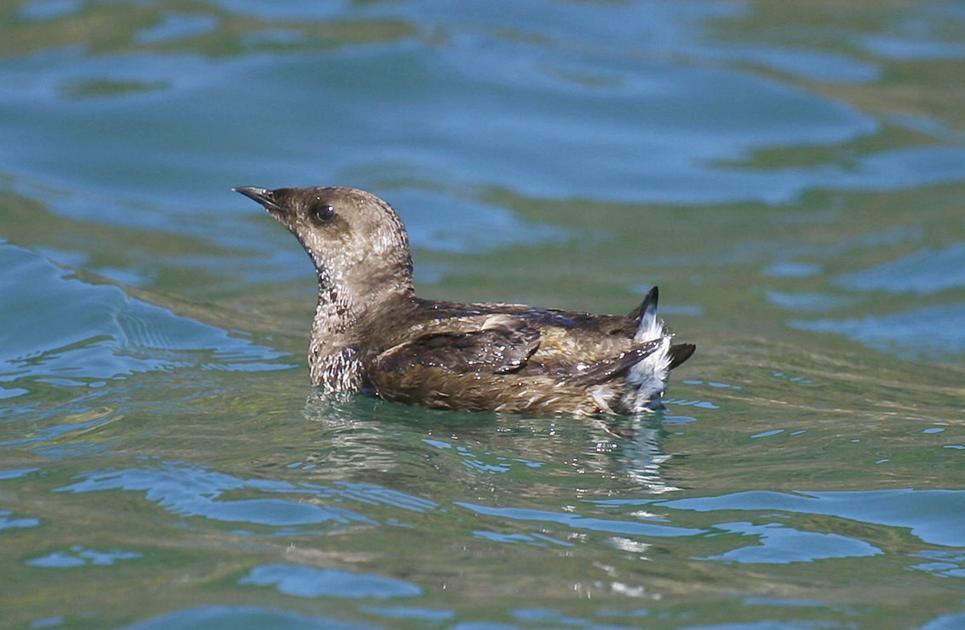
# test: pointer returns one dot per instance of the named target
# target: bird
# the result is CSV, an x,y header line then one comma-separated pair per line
x,y
372,335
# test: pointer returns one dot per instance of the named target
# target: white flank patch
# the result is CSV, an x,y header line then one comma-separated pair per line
x,y
647,379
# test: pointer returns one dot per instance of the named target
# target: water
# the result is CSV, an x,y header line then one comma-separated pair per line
x,y
792,176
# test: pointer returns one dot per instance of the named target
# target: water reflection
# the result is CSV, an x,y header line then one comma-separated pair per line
x,y
176,26
305,581
8,521
49,9
83,333
78,556
926,271
779,544
576,521
934,516
934,332
188,491
242,618
365,436
657,137
410,612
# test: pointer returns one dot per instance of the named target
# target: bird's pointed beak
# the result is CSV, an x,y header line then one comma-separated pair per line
x,y
263,196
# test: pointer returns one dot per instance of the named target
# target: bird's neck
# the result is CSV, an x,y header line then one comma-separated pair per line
x,y
342,316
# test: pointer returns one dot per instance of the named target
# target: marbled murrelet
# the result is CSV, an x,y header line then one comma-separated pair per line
x,y
371,333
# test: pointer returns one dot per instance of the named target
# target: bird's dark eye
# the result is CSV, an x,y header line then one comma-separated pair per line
x,y
321,213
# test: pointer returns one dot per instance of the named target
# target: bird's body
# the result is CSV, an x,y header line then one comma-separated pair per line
x,y
371,334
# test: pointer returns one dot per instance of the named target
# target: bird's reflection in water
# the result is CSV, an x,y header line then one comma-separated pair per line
x,y
642,457
358,438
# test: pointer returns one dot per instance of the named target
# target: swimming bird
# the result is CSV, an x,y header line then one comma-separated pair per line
x,y
372,335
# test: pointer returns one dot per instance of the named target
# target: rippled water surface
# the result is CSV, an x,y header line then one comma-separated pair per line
x,y
792,175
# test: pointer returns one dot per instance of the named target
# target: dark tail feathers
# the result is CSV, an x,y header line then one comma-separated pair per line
x,y
680,353
649,304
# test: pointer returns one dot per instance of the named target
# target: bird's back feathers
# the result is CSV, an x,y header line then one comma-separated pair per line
x,y
516,358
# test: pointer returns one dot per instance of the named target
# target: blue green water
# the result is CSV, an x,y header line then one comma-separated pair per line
x,y
792,176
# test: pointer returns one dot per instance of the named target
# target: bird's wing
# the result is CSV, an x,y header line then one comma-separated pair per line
x,y
607,369
499,344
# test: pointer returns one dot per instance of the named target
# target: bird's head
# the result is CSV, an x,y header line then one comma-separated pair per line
x,y
356,240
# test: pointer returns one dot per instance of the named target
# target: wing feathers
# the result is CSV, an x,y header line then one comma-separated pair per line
x,y
608,368
502,345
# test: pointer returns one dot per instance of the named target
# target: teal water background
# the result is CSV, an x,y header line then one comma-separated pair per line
x,y
792,176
